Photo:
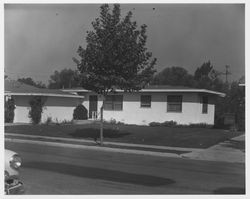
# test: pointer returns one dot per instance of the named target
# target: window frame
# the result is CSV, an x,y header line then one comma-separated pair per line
x,y
113,101
146,103
174,103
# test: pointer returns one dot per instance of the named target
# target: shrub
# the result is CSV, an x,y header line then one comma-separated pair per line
x,y
36,110
80,113
169,123
113,121
9,107
153,124
166,123
174,124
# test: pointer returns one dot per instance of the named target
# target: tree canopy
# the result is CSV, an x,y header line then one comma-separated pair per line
x,y
30,81
174,76
116,55
66,78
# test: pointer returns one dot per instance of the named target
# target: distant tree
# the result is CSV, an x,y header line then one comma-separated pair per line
x,y
207,77
66,78
30,81
202,75
116,56
242,80
233,103
203,71
175,76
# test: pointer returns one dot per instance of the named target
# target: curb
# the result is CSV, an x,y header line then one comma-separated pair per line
x,y
97,148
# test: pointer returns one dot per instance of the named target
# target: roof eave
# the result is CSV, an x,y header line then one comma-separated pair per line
x,y
158,90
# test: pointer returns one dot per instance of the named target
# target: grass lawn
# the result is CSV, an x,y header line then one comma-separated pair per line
x,y
162,136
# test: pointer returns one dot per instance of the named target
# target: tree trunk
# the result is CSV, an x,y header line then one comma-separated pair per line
x,y
101,125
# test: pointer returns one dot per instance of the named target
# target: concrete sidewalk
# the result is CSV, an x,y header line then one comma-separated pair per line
x,y
225,152
118,144
220,152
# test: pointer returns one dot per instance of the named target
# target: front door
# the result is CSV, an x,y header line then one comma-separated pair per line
x,y
93,106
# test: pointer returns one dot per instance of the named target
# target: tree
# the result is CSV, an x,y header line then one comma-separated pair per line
x,y
36,109
116,56
175,76
66,78
9,110
30,81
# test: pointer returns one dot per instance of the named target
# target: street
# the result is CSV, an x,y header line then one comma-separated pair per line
x,y
59,170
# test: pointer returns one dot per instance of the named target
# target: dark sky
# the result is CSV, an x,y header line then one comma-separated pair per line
x,y
40,39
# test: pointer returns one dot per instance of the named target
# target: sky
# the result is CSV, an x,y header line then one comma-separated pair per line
x,y
42,38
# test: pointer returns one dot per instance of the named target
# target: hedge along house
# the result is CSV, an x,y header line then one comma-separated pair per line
x,y
58,105
153,104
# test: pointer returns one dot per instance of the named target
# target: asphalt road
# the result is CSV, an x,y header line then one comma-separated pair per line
x,y
58,170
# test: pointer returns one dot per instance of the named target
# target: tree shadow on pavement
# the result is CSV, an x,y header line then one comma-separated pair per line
x,y
100,173
229,190
94,133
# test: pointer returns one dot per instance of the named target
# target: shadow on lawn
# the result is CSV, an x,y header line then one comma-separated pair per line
x,y
94,133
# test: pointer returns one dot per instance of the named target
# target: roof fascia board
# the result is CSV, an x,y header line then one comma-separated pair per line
x,y
44,94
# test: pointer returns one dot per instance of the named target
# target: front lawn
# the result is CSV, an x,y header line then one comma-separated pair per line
x,y
162,136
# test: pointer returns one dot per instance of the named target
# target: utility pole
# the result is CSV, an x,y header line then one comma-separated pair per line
x,y
227,73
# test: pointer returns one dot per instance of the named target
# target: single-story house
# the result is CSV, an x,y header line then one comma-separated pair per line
x,y
58,105
153,104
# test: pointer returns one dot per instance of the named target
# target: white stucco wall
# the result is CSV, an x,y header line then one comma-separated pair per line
x,y
58,108
22,109
132,112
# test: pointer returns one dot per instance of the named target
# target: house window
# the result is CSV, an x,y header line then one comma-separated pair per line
x,y
113,102
145,101
204,104
174,103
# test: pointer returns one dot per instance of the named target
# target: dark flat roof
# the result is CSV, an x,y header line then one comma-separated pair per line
x,y
12,87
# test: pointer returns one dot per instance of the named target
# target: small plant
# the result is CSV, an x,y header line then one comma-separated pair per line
x,y
200,125
48,121
67,122
9,107
112,121
35,113
80,113
57,122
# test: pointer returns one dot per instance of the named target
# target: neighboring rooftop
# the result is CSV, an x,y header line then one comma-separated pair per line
x,y
12,87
